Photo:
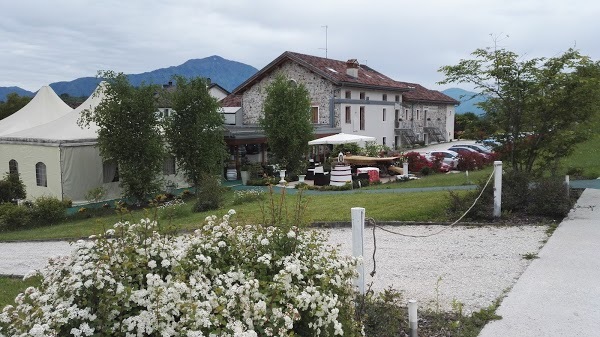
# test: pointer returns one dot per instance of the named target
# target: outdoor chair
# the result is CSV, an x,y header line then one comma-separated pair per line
x,y
322,179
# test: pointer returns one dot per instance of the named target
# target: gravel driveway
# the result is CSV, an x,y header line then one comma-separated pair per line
x,y
473,265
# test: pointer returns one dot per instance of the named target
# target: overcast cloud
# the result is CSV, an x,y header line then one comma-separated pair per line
x,y
60,40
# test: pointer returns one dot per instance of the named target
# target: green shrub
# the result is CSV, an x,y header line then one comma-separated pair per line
x,y
13,216
382,314
47,211
549,197
173,209
209,195
301,185
520,194
95,194
358,183
460,203
263,181
515,190
575,171
12,188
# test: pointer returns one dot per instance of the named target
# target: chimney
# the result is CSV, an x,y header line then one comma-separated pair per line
x,y
352,68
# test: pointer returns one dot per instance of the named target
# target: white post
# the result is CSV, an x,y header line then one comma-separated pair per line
x,y
413,320
358,230
405,169
568,185
497,188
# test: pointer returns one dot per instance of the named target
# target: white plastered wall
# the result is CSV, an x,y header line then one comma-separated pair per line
x,y
71,171
27,156
375,126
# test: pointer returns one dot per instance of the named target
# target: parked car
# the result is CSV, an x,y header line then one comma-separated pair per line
x,y
479,148
463,149
450,157
491,143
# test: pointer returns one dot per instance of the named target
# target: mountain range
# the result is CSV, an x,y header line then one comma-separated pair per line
x,y
468,100
226,73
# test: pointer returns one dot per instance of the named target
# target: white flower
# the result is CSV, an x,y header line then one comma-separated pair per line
x,y
264,242
152,264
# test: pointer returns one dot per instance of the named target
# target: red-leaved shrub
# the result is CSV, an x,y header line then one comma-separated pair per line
x,y
470,161
416,162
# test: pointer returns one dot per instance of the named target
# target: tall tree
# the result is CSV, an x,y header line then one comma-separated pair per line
x,y
543,105
287,122
13,103
194,131
129,133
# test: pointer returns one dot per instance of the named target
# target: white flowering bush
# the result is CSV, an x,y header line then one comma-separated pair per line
x,y
223,280
242,196
173,209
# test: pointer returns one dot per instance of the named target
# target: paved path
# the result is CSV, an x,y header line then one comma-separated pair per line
x,y
559,294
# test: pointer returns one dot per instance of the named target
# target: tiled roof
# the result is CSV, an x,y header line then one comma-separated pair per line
x,y
232,100
215,85
333,70
422,94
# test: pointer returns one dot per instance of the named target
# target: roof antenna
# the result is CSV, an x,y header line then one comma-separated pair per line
x,y
325,40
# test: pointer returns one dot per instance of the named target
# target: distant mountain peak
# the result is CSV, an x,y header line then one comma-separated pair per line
x,y
226,73
468,100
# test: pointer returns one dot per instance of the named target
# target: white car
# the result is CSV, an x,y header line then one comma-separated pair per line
x,y
450,157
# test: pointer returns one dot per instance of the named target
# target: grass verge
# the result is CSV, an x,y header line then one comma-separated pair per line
x,y
584,159
440,179
321,208
10,287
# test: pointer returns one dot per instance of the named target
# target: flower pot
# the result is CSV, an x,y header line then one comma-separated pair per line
x,y
231,174
301,178
244,175
282,177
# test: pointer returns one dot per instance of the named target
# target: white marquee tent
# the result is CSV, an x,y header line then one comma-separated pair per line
x,y
341,138
72,163
46,106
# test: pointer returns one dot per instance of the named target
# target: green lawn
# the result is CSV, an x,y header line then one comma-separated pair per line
x,y
586,157
11,287
326,207
441,179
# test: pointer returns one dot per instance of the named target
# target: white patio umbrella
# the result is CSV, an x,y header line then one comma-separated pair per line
x,y
341,138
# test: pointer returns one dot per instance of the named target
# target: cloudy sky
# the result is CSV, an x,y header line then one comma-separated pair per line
x,y
45,41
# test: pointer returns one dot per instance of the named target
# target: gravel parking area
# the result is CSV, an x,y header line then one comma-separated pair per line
x,y
471,265
20,258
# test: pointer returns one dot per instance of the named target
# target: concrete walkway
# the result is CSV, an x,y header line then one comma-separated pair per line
x,y
559,293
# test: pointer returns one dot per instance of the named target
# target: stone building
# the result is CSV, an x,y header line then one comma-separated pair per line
x,y
346,97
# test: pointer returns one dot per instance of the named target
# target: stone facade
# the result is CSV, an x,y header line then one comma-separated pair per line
x,y
321,93
418,116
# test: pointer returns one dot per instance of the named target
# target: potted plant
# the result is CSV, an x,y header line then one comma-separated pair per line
x,y
301,170
245,170
282,165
